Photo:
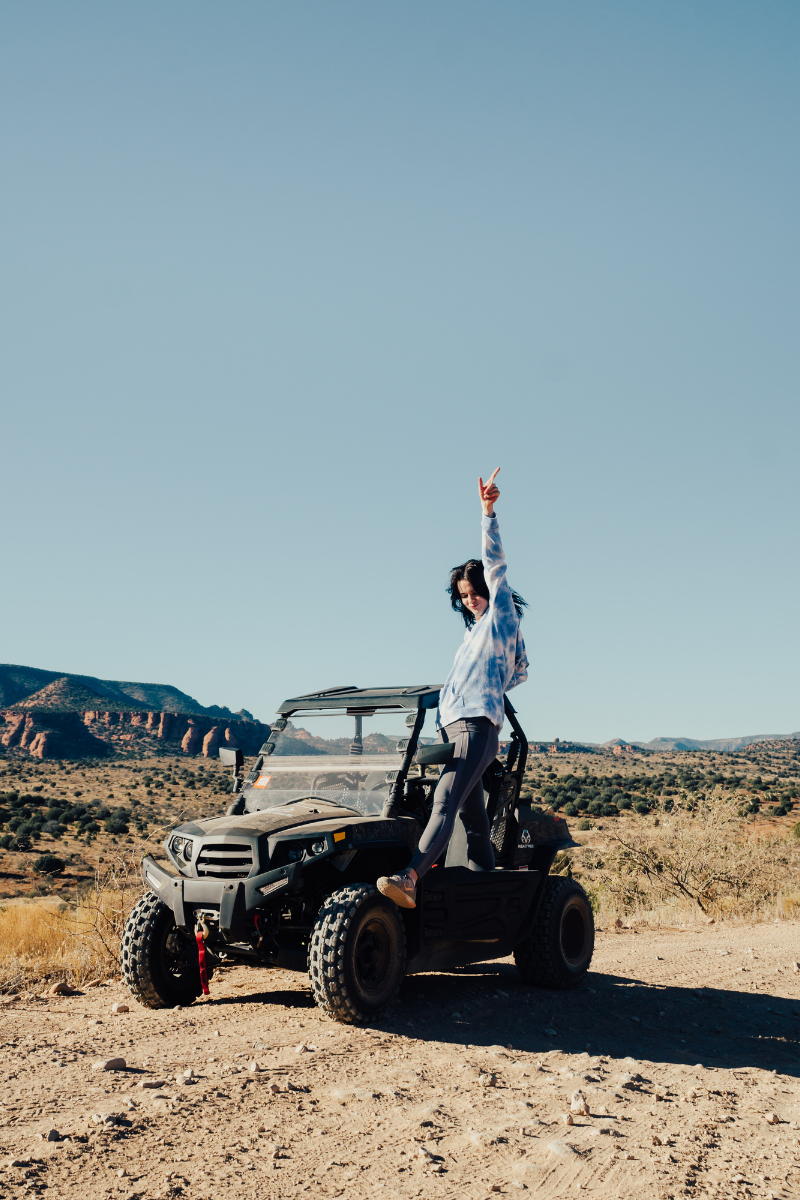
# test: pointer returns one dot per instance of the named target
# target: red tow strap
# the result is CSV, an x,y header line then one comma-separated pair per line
x,y
201,960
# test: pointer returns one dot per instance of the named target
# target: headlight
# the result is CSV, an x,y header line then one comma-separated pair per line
x,y
187,849
295,853
176,844
319,847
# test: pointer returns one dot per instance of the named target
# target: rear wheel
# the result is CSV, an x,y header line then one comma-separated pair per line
x,y
159,962
357,955
559,950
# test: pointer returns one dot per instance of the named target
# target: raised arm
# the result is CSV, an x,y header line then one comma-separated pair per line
x,y
494,560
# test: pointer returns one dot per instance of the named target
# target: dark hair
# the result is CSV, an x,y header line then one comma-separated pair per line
x,y
472,572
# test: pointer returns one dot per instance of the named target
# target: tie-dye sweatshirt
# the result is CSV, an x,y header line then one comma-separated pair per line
x,y
491,660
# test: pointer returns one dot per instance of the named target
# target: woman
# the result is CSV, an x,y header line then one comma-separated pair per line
x,y
489,662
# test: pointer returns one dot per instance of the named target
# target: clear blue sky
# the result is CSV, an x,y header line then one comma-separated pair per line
x,y
279,280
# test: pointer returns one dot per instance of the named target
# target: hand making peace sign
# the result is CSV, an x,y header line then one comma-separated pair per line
x,y
489,493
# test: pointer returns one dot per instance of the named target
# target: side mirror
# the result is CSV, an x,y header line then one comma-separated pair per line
x,y
433,756
235,759
232,758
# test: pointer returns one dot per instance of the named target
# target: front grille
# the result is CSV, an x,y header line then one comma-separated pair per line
x,y
224,860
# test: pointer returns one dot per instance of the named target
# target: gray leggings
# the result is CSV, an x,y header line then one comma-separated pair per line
x,y
459,792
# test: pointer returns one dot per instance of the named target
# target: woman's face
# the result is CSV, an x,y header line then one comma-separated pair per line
x,y
474,603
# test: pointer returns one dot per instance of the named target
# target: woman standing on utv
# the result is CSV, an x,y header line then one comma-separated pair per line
x,y
489,662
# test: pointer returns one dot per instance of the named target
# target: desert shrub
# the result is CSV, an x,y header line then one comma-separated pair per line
x,y
73,813
49,864
562,864
642,807
6,841
54,828
570,810
625,802
584,824
118,822
704,855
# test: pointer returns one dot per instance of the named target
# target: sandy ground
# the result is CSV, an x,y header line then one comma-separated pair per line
x,y
682,1042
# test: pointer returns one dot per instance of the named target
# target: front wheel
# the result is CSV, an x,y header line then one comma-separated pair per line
x,y
559,950
159,963
357,955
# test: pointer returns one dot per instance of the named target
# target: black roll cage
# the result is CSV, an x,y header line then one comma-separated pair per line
x,y
415,701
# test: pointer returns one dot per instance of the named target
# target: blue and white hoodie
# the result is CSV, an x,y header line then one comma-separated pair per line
x,y
491,660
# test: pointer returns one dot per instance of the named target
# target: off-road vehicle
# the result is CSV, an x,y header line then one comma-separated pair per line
x,y
287,877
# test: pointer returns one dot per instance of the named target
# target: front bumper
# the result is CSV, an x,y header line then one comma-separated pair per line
x,y
233,899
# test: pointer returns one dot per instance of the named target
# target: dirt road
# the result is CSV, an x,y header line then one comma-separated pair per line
x,y
684,1044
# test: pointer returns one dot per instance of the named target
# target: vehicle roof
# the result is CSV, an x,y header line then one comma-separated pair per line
x,y
363,700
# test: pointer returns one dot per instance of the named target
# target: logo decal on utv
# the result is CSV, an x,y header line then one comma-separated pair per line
x,y
526,838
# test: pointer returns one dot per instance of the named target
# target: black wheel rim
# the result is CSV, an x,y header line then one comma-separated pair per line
x,y
573,934
372,956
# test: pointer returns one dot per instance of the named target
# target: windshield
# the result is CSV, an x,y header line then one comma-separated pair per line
x,y
357,782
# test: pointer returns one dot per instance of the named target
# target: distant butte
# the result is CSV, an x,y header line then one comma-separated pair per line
x,y
54,715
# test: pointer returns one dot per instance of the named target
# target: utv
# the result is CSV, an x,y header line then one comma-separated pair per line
x,y
287,877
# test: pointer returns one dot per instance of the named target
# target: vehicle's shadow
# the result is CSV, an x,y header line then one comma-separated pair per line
x,y
299,999
487,1004
607,1015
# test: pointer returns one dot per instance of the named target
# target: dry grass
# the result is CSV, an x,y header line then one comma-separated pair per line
x,y
701,861
41,942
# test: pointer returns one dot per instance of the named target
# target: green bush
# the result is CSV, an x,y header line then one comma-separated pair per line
x,y
642,807
117,823
49,864
584,824
570,810
6,840
73,813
